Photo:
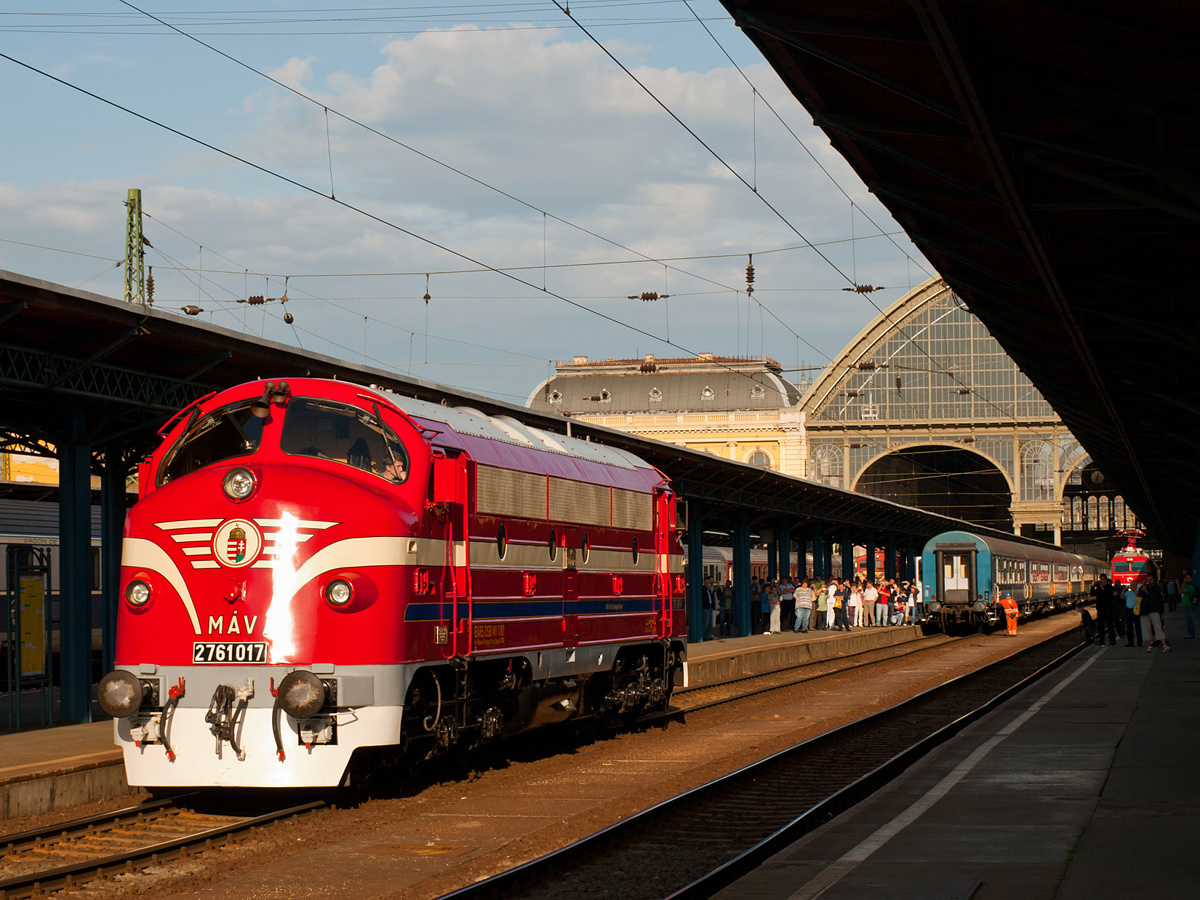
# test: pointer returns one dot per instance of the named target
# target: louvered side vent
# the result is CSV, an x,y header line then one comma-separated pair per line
x,y
578,503
632,510
503,492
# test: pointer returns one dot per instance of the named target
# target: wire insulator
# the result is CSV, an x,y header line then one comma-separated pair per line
x,y
750,275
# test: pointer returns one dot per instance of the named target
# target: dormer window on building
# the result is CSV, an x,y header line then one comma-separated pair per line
x,y
606,396
555,397
760,459
655,395
707,394
758,392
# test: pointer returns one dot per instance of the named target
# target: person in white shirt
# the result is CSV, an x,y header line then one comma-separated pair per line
x,y
870,595
787,602
831,589
856,603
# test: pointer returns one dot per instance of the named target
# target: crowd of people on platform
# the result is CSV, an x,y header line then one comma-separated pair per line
x,y
809,604
1134,611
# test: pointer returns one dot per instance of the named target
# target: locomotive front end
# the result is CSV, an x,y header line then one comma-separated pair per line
x,y
261,632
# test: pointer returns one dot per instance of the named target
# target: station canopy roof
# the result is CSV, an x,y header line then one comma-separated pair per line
x,y
129,369
1043,158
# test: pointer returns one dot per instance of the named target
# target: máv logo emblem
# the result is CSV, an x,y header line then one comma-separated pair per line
x,y
237,543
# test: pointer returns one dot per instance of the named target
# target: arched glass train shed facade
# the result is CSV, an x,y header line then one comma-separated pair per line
x,y
925,408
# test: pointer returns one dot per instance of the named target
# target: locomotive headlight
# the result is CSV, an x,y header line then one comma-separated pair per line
x,y
239,484
301,694
137,592
339,592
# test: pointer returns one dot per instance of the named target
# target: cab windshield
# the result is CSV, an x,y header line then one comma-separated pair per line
x,y
226,433
1121,567
343,434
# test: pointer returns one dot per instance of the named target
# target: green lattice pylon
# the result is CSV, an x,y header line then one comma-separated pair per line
x,y
135,271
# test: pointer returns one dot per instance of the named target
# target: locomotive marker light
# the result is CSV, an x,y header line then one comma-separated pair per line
x,y
137,592
339,592
239,484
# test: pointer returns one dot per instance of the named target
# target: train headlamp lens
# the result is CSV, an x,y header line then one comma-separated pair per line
x,y
338,592
137,593
239,484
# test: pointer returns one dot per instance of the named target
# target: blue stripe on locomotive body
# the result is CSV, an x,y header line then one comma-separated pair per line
x,y
532,608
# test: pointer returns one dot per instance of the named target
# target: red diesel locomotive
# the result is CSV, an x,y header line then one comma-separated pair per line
x,y
319,577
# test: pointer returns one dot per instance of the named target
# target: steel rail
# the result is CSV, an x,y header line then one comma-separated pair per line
x,y
76,873
516,882
19,839
928,642
855,792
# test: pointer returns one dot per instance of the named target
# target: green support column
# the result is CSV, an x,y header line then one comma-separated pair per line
x,y
871,556
847,555
741,574
695,606
889,560
785,549
818,552
75,569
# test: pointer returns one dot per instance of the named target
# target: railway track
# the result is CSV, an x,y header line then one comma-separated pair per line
x,y
743,687
701,841
68,854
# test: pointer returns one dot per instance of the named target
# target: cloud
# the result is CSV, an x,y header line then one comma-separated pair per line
x,y
541,115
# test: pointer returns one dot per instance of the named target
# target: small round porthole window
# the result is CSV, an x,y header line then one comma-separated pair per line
x,y
583,549
606,396
556,397
635,551
708,393
553,545
501,541
757,392
655,395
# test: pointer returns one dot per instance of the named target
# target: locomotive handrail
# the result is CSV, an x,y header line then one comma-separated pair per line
x,y
662,550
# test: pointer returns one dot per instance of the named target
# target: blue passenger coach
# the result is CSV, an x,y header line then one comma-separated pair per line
x,y
966,575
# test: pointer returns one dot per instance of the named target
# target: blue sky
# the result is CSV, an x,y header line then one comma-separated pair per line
x,y
514,95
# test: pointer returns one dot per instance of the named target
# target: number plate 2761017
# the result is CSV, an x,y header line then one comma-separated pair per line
x,y
228,652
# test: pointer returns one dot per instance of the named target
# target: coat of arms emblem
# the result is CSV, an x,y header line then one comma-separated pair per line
x,y
237,543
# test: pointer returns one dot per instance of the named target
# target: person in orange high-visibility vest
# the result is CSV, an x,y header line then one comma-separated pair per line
x,y
1010,612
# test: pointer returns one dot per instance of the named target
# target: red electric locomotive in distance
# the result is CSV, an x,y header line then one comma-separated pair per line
x,y
319,577
1129,565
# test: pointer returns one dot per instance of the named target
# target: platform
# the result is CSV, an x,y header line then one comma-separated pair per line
x,y
730,657
1085,785
53,768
